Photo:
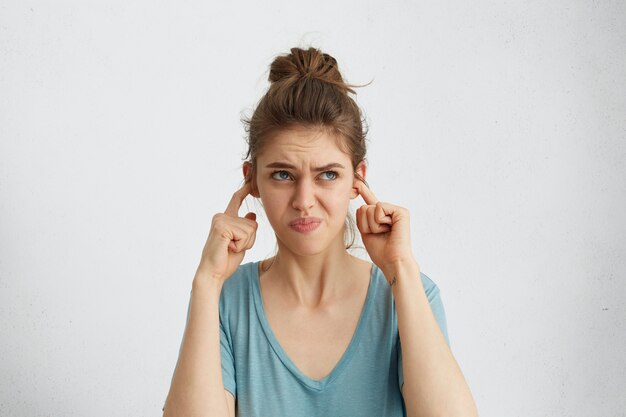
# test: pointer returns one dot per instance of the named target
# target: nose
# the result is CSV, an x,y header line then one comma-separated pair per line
x,y
304,198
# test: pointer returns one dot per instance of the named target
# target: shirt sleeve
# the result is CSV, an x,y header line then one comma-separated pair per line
x,y
436,305
228,361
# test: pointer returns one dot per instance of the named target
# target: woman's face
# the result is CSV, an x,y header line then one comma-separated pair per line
x,y
302,173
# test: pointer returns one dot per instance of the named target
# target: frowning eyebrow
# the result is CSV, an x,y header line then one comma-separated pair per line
x,y
317,169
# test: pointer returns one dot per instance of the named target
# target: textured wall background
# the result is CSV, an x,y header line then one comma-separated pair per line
x,y
500,125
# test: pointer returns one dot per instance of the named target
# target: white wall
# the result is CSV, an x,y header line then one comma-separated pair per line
x,y
500,125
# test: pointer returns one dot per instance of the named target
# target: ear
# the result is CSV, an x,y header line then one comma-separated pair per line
x,y
247,175
361,169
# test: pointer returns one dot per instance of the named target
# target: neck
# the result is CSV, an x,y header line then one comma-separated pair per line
x,y
315,280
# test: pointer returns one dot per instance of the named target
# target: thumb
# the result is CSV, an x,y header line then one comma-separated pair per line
x,y
250,216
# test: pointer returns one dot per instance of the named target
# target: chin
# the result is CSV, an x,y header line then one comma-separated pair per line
x,y
305,246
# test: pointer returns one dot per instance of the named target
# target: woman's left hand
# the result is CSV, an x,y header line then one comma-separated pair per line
x,y
385,229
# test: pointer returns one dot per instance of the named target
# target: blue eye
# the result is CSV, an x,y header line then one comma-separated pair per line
x,y
335,174
280,172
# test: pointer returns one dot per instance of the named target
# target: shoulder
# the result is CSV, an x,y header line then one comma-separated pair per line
x,y
236,295
240,278
237,286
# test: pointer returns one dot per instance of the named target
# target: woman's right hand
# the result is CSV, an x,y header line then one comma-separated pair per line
x,y
229,238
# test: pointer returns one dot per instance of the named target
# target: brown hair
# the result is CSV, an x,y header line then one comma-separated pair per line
x,y
308,90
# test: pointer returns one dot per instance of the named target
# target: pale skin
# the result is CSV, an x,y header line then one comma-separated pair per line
x,y
313,278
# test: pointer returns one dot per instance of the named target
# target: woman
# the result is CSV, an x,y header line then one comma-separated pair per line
x,y
313,331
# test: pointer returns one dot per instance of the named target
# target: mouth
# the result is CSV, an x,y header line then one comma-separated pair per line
x,y
305,225
305,221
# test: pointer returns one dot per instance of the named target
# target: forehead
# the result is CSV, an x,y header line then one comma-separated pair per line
x,y
302,144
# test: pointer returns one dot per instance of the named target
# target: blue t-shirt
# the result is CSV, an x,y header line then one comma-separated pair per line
x,y
366,381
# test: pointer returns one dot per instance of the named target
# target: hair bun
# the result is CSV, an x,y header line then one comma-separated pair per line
x,y
310,63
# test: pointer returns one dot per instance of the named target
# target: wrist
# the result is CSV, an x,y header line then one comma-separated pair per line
x,y
206,278
401,270
399,264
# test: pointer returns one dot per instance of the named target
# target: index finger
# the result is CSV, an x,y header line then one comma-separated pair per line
x,y
237,199
366,193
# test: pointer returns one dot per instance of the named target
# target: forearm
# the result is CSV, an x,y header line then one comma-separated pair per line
x,y
197,388
433,382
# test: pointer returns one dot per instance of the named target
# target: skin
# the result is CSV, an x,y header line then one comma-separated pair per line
x,y
315,269
316,273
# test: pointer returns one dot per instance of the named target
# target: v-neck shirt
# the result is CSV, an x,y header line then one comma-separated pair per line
x,y
366,381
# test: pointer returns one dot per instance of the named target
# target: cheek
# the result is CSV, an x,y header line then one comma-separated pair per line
x,y
273,202
275,205
340,195
337,203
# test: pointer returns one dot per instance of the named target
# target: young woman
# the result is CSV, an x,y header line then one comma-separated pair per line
x,y
313,330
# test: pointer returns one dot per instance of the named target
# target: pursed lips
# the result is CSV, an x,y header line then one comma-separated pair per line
x,y
305,220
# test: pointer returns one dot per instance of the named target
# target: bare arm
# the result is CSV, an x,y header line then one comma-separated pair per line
x,y
433,382
197,388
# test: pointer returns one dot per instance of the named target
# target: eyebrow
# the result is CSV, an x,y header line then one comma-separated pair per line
x,y
322,168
